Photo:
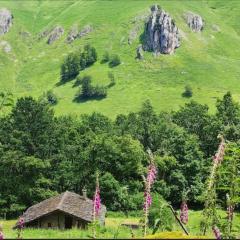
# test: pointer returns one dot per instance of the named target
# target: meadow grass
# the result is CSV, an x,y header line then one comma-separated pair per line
x,y
113,228
207,61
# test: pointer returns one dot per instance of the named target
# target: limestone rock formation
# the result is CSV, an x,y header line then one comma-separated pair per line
x,y
194,21
161,33
74,33
6,19
55,34
139,51
86,30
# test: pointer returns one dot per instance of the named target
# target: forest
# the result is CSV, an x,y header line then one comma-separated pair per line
x,y
42,154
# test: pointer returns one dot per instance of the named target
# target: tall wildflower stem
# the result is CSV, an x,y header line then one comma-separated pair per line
x,y
96,204
151,176
210,202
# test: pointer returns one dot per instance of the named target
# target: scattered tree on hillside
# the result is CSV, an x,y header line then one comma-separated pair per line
x,y
114,60
187,92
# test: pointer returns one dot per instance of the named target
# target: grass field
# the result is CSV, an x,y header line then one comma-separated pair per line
x,y
112,228
207,61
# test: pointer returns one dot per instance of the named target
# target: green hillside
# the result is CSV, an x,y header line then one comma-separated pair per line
x,y
208,61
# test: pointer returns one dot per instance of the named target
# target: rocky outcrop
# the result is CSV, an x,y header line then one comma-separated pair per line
x,y
86,30
139,52
74,33
6,20
194,21
55,34
161,33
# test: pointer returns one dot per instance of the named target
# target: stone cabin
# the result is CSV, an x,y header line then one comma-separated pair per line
x,y
64,211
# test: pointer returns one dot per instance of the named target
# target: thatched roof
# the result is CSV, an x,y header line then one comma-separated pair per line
x,y
67,202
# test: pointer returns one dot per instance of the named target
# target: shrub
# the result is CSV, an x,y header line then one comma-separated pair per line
x,y
114,60
70,67
112,79
105,57
160,215
89,91
188,92
51,98
89,56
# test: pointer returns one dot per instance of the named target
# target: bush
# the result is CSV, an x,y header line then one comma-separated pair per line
x,y
70,67
114,60
77,61
188,92
51,98
105,57
160,216
89,91
112,79
88,56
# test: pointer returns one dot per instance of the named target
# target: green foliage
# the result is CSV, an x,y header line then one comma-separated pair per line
x,y
160,215
105,57
70,67
77,61
114,60
88,91
6,100
66,151
187,92
112,79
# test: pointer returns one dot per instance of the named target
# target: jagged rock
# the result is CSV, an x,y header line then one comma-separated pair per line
x,y
55,34
194,21
6,47
139,51
73,34
86,30
161,33
6,19
44,34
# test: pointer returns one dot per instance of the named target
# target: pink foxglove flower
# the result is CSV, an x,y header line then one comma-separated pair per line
x,y
97,201
230,210
216,232
151,176
184,213
21,223
1,236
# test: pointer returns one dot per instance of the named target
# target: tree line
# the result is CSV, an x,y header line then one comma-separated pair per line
x,y
42,154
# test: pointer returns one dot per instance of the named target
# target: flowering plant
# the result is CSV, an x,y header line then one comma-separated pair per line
x,y
184,212
20,226
216,232
96,204
1,235
151,176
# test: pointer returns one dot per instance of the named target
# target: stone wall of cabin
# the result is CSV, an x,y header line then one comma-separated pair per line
x,y
56,220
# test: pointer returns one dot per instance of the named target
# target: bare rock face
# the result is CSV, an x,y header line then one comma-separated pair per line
x,y
86,30
194,21
74,33
162,35
139,51
6,19
55,34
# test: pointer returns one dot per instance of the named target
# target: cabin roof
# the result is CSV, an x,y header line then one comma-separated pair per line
x,y
67,202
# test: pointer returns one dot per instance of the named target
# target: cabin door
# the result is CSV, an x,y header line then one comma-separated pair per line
x,y
68,222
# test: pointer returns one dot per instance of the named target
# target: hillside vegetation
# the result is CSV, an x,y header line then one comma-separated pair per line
x,y
207,61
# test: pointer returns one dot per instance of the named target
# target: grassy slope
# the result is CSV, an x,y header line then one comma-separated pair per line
x,y
111,228
208,61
